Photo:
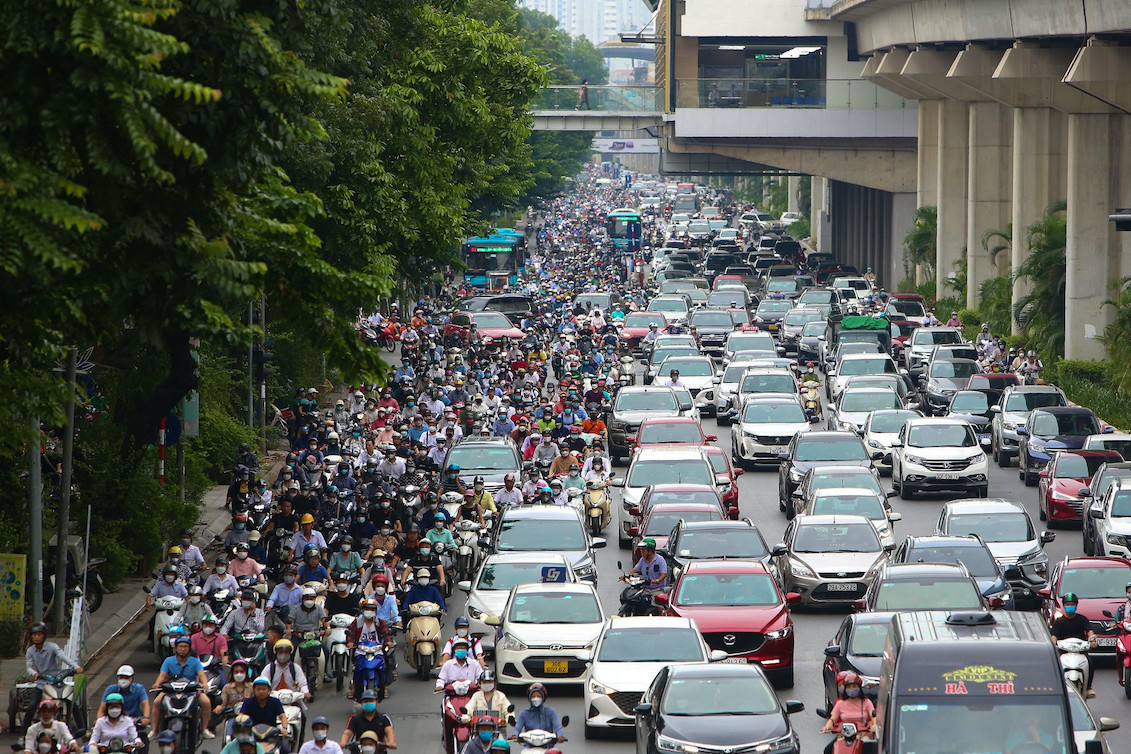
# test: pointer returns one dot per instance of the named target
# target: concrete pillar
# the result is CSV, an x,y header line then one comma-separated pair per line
x,y
1039,178
989,187
1090,242
820,221
928,173
793,203
902,221
954,134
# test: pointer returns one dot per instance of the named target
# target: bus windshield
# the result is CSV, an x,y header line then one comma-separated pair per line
x,y
973,723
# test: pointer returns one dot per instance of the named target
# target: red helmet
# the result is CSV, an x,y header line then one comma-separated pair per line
x,y
852,679
381,579
541,689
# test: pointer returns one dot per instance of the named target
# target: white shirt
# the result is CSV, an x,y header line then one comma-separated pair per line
x,y
329,746
454,671
510,497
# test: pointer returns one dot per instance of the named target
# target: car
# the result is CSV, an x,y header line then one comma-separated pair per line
x,y
673,306
923,340
711,329
739,609
631,406
494,328
776,288
1086,726
656,466
1048,430
896,382
856,283
725,383
1120,442
629,652
726,477
941,379
856,404
767,224
749,340
1099,583
515,307
779,382
661,518
1009,534
1111,520
713,540
993,384
901,587
545,633
935,453
489,590
695,372
857,647
822,478
809,449
793,325
770,313
829,559
1059,483
789,218
489,457
972,406
600,300
947,351
636,326
970,551
901,330
714,708
547,528
880,428
1095,489
699,231
857,364
668,431
1012,411
911,308
660,353
763,429
673,494
810,343
855,501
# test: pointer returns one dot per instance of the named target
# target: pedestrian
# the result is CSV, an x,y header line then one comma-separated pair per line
x,y
583,95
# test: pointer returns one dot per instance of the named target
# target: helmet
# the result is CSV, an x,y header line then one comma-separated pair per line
x,y
320,721
239,661
369,694
536,687
380,579
53,705
125,670
500,744
188,532
291,569
369,603
423,573
487,675
208,618
306,519
310,550
508,478
41,628
169,737
308,592
114,699
241,720
194,589
1070,597
851,679
453,467
284,644
174,550
182,638
462,621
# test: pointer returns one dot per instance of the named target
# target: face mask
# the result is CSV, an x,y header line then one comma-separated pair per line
x,y
114,711
125,683
380,591
342,586
289,579
44,748
209,630
369,749
247,604
485,736
852,693
1070,609
194,600
385,504
461,654
478,488
221,570
242,555
369,614
239,526
283,659
425,552
170,578
347,548
536,701
574,472
488,687
320,735
387,531
308,604
239,677
461,632
166,750
422,582
368,707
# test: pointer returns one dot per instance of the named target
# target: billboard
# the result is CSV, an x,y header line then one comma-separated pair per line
x,y
627,146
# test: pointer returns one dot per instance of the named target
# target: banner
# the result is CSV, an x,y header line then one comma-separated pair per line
x,y
76,644
13,583
627,146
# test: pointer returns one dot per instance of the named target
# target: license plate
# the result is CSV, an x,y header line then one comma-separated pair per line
x,y
842,587
733,661
555,666
1105,641
947,477
772,327
983,438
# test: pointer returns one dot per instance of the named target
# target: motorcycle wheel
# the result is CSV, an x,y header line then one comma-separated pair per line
x,y
424,667
390,345
1127,682
339,678
595,526
93,597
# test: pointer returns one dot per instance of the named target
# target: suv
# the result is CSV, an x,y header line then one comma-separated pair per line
x,y
764,427
923,586
809,449
970,551
1012,411
1049,430
711,329
514,306
633,405
941,379
934,453
1111,520
724,386
923,341
759,380
489,457
855,364
1008,531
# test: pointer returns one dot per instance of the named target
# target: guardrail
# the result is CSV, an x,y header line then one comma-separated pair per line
x,y
600,98
852,94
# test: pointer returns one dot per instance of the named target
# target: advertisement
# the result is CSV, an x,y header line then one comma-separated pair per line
x,y
13,582
627,146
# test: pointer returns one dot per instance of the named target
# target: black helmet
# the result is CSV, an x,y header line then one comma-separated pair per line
x,y
347,540
39,628
244,447
292,458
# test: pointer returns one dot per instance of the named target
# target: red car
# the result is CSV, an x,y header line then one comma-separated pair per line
x,y
1099,583
661,519
675,494
1059,483
635,327
901,330
720,462
669,431
492,327
739,609
720,279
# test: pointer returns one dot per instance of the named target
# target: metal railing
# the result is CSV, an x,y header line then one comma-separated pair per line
x,y
601,98
855,94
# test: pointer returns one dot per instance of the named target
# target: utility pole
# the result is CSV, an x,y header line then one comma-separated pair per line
x,y
251,372
64,523
35,526
263,374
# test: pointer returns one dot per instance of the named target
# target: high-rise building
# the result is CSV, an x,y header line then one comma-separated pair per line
x,y
597,20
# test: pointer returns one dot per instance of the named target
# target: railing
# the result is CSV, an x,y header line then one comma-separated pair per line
x,y
602,98
855,94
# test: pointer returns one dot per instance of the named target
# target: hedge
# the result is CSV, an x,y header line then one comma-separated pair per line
x,y
1089,384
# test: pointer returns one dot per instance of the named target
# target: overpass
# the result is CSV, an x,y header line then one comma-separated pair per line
x,y
611,108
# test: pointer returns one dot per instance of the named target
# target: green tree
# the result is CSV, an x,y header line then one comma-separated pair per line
x,y
1040,312
920,246
1117,335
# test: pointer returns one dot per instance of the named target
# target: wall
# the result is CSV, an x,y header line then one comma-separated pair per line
x,y
753,18
796,123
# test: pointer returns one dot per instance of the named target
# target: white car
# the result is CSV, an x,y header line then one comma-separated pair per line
x,y
923,341
764,381
1120,442
856,404
749,341
1111,516
763,429
859,284
855,364
487,594
629,653
686,465
856,501
695,372
725,384
789,218
546,633
880,428
934,453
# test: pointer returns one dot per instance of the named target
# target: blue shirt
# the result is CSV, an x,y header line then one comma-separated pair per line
x,y
132,697
173,668
306,573
283,595
424,594
268,714
387,609
538,718
651,571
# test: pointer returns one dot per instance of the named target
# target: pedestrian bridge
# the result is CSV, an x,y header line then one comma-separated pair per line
x,y
610,108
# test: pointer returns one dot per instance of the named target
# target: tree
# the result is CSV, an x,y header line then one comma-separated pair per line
x,y
920,246
1040,312
1117,335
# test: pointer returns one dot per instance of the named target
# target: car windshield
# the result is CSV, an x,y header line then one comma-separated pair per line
x,y
661,432
887,423
850,504
643,644
739,316
992,527
1049,425
811,329
1121,504
652,400
700,697
668,305
732,543
992,381
869,401
550,535
848,478
555,607
1094,583
903,329
1073,466
876,365
660,354
768,383
661,523
751,342
925,337
929,594
673,471
498,576
976,559
801,318
643,319
974,724
597,300
712,319
773,413
953,368
493,320
1122,447
848,448
782,285
658,497
836,538
774,307
690,367
726,589
970,402
1028,401
868,639
941,436
480,458
818,295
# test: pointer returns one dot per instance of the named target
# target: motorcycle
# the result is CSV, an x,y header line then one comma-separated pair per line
x,y
811,393
457,728
635,599
596,505
848,740
541,741
444,552
115,746
369,668
246,646
1122,652
467,548
311,656
59,687
166,622
423,637
180,712
212,670
339,652
296,717
266,737
1074,663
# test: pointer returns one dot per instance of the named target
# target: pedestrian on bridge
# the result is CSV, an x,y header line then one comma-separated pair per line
x,y
583,95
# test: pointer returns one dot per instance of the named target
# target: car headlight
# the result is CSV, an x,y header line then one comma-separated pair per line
x,y
664,743
781,633
474,612
596,687
785,743
794,475
585,571
975,458
1011,426
1116,539
847,426
511,643
1037,445
918,460
875,444
1061,497
802,570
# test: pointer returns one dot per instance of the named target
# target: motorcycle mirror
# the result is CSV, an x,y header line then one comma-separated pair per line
x,y
620,566
1107,614
565,720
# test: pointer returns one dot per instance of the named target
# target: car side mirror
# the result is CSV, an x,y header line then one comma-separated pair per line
x,y
913,406
1096,512
833,650
1043,473
599,542
732,511
716,380
985,441
813,419
661,598
1108,723
492,620
995,409
616,482
643,709
1045,594
1012,572
779,550
895,516
1047,536
1022,432
877,455
1084,492
860,604
1108,430
630,440
739,471
484,542
585,656
716,655
792,706
996,602
792,598
464,586
897,443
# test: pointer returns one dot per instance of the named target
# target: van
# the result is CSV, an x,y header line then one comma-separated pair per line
x,y
970,681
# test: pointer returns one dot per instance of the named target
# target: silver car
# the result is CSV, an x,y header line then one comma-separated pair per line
x,y
829,559
1012,411
852,409
763,429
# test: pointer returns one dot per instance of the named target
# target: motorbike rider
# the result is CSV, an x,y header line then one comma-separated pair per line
x,y
236,534
220,578
57,730
484,730
264,709
116,724
135,697
307,535
651,566
474,647
190,553
854,707
369,727
312,569
423,591
424,559
481,497
595,470
320,731
342,600
461,667
440,531
386,603
557,492
538,716
182,665
288,593
385,539
310,618
368,628
43,658
237,690
345,559
184,570
240,488
1031,366
194,609
573,480
488,697
283,672
509,495
562,463
248,617
1075,625
546,451
533,485
209,641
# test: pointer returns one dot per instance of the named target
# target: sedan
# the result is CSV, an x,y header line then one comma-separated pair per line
x,y
855,404
713,540
657,466
659,521
856,502
487,594
714,708
810,449
880,429
971,552
1059,484
668,431
829,559
858,647
923,586
636,325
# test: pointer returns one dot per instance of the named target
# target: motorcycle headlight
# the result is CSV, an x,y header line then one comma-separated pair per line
x,y
511,643
596,687
781,633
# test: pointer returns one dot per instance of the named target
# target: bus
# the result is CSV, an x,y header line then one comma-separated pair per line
x,y
519,238
686,202
491,263
625,228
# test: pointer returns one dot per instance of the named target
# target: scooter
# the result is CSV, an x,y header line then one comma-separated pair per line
x,y
635,599
180,712
1074,663
848,740
1122,652
339,652
61,688
444,553
369,669
541,741
467,548
596,505
246,646
215,690
423,632
457,729
296,717
166,622
312,658
266,737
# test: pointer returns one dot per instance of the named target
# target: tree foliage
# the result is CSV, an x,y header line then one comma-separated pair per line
x,y
920,245
1040,312
1117,335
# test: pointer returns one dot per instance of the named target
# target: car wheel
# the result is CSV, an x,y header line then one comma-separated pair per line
x,y
1003,459
905,492
993,450
1041,511
1030,478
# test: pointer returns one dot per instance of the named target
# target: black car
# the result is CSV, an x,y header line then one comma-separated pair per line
x,y
809,449
709,540
902,587
717,708
968,550
857,647
972,406
770,313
